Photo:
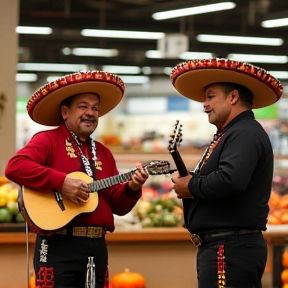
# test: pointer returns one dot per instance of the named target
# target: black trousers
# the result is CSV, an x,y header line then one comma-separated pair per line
x,y
245,259
60,261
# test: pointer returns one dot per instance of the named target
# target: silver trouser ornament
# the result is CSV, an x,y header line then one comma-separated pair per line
x,y
90,274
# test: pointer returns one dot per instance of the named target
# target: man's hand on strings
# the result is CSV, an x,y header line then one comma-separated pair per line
x,y
75,190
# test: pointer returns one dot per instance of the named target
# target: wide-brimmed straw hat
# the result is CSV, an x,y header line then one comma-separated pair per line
x,y
44,105
191,77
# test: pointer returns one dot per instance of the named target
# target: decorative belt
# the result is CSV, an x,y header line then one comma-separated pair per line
x,y
85,231
208,236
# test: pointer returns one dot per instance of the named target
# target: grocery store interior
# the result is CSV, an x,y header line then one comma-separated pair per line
x,y
141,42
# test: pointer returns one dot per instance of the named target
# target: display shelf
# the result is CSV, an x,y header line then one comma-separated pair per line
x,y
139,235
17,234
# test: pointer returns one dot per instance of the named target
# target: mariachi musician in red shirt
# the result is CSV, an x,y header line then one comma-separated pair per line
x,y
56,196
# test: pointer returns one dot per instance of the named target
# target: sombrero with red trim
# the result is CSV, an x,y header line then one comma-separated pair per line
x,y
44,105
191,77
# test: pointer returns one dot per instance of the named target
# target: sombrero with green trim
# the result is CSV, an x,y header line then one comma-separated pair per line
x,y
44,105
191,77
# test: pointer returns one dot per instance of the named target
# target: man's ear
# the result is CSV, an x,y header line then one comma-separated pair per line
x,y
234,97
64,112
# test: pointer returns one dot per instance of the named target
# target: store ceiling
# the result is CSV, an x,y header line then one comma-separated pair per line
x,y
68,17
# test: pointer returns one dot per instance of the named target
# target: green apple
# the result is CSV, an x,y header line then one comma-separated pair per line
x,y
5,215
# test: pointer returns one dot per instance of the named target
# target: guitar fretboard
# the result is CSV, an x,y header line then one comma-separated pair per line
x,y
111,181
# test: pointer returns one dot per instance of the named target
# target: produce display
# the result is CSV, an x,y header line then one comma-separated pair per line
x,y
278,201
158,206
162,211
9,212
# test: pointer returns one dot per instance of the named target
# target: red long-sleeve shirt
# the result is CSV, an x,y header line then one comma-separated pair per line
x,y
44,163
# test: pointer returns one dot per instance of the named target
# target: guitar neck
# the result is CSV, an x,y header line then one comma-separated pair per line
x,y
182,170
110,181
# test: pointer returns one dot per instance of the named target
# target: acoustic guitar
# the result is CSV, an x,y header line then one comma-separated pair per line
x,y
49,211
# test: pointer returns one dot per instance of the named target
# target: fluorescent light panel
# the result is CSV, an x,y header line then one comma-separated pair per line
x,y
33,30
279,59
156,54
122,34
94,52
193,10
26,77
121,69
280,74
52,67
275,23
239,40
135,79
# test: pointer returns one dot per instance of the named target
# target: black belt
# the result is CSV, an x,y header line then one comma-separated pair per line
x,y
198,240
85,231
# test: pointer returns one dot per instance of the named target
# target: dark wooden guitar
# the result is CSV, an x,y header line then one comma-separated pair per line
x,y
48,211
175,140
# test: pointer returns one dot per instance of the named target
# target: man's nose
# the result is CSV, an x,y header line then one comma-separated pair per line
x,y
205,106
89,111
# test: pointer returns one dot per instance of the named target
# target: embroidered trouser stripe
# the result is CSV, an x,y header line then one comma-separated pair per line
x,y
221,265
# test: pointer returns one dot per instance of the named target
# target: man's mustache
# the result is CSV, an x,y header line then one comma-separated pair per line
x,y
91,119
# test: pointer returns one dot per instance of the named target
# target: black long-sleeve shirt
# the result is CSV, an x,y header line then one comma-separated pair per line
x,y
233,187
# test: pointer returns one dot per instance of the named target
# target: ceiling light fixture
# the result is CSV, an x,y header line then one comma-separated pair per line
x,y
196,55
33,30
134,79
275,23
122,34
239,40
279,59
51,67
279,74
193,10
156,54
94,52
26,77
122,69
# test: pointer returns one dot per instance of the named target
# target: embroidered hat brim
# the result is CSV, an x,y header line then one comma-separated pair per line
x,y
44,105
191,77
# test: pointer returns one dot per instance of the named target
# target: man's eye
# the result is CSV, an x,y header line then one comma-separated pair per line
x,y
95,108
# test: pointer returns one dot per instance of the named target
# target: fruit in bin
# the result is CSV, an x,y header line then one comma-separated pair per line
x,y
284,275
12,195
3,200
147,222
273,220
170,220
19,218
128,279
285,258
12,207
5,215
3,180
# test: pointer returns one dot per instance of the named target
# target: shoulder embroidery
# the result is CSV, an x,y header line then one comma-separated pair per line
x,y
70,150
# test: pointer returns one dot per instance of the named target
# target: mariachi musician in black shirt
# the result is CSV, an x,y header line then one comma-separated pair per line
x,y
226,197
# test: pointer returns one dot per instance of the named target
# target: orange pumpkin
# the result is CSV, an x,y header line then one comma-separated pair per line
x,y
32,281
128,279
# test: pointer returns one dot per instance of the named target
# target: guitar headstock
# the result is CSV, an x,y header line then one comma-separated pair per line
x,y
175,137
158,167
